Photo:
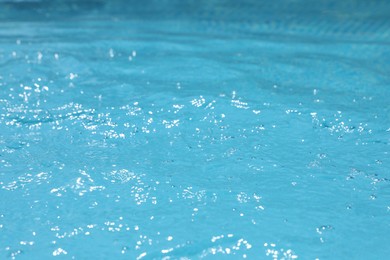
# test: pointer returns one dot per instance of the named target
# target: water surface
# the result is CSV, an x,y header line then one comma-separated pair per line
x,y
194,130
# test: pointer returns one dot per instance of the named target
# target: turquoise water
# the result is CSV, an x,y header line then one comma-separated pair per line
x,y
199,129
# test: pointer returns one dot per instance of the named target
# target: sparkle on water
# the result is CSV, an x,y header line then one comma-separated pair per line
x,y
198,129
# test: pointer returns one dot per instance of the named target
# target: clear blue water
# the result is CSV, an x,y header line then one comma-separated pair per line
x,y
198,129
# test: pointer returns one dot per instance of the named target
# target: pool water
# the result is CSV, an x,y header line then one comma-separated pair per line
x,y
196,129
